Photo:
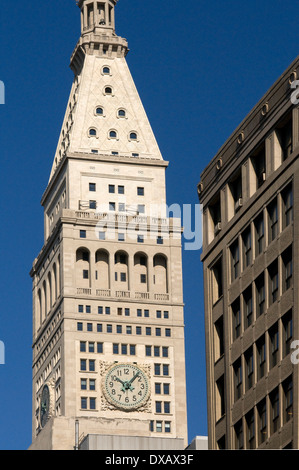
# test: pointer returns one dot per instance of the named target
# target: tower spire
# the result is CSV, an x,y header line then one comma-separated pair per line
x,y
98,32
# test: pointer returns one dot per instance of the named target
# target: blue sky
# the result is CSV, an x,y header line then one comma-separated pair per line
x,y
199,68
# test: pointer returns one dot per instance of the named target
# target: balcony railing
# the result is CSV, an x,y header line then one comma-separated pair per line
x,y
123,294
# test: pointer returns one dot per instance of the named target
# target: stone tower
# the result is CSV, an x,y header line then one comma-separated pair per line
x,y
108,322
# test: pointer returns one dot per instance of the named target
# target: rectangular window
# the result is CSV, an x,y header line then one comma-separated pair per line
x,y
79,326
92,187
92,403
124,349
107,310
148,331
140,239
249,369
158,407
248,307
160,240
121,237
148,351
92,365
121,190
109,328
235,260
146,313
157,388
287,387
92,204
287,322
274,400
167,332
83,403
128,330
100,310
82,346
287,277
164,351
239,436
157,351
123,277
273,282
119,329
273,220
236,315
102,235
141,208
115,348
88,309
157,369
259,234
274,345
158,331
121,207
238,379
80,308
100,348
83,384
261,357
143,278
132,350
82,233
111,188
287,201
250,430
91,347
85,274
139,312
165,370
158,314
127,312
92,384
99,327
89,326
138,330
166,407
247,252
140,191
112,206
83,364
262,421
217,281
260,295
167,426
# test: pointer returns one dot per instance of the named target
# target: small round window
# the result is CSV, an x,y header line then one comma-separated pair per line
x,y
108,90
92,132
112,134
133,136
99,111
121,113
106,70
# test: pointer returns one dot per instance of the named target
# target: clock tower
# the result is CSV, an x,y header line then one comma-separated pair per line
x,y
108,320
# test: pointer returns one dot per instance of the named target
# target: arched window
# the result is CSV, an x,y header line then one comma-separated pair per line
x,y
140,272
106,70
92,132
121,113
112,134
99,111
102,270
133,136
108,90
121,270
83,268
160,274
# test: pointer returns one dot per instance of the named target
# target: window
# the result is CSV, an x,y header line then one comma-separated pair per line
x,y
148,331
236,191
165,370
167,407
107,310
112,134
259,234
99,327
219,338
89,326
158,331
261,357
274,345
235,260
92,204
259,165
287,260
143,278
160,240
106,70
121,113
164,351
158,407
146,313
92,187
123,277
248,310
112,206
99,111
215,214
121,237
140,191
119,329
157,369
249,369
159,426
91,347
287,388
92,403
239,437
236,314
167,332
167,426
148,351
128,330
109,328
83,364
115,348
124,349
138,330
158,314
273,282
100,348
92,132
262,421
108,90
80,308
132,350
274,400
273,220
247,252
220,398
82,346
83,384
83,403
102,235
141,208
88,309
139,312
133,136
111,188
285,137
127,312
238,379
217,283
140,239
287,200
287,323
157,351
260,295
250,430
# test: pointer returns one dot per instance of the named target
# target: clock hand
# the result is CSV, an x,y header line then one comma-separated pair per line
x,y
133,378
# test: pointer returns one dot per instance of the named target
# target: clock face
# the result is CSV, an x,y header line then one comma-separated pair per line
x,y
44,405
126,386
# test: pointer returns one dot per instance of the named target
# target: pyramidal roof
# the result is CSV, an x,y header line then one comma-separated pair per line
x,y
104,115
